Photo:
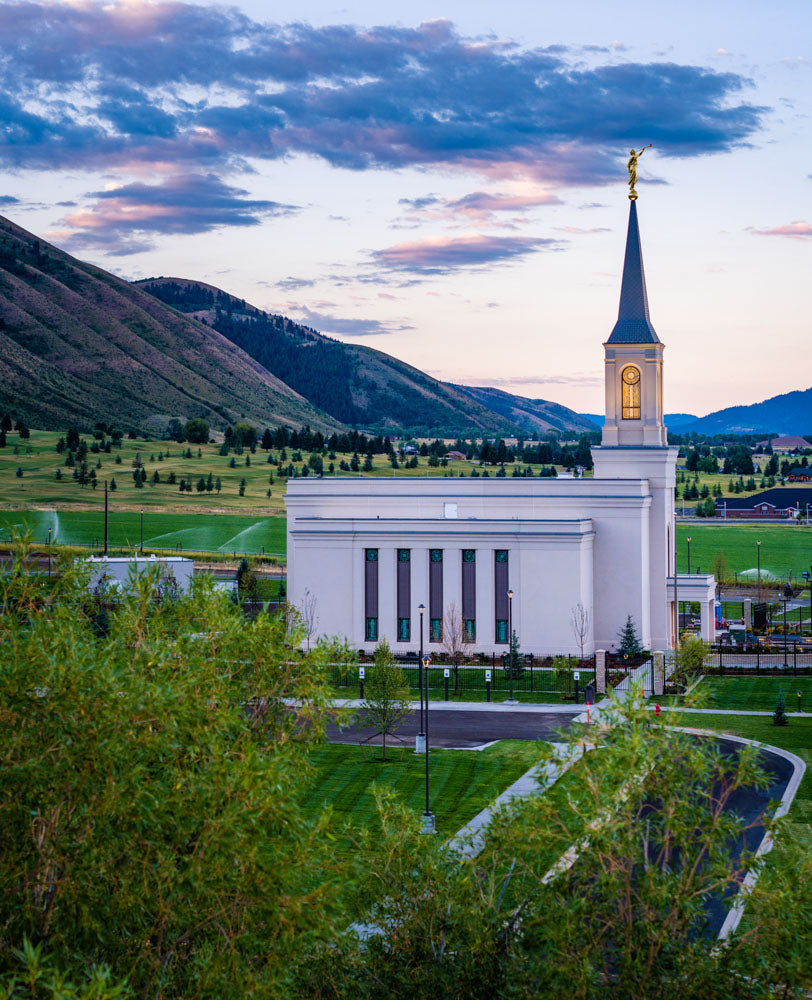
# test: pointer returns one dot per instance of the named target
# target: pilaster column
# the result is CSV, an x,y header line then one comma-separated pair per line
x,y
600,671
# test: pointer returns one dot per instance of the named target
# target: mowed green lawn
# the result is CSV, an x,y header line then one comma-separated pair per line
x,y
756,694
195,532
784,547
462,782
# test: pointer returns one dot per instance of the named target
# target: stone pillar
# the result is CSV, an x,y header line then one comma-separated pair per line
x,y
748,613
659,674
600,672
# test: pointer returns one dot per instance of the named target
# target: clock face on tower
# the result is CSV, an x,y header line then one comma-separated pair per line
x,y
630,377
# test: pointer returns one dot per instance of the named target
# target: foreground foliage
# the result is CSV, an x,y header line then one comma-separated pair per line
x,y
148,810
156,840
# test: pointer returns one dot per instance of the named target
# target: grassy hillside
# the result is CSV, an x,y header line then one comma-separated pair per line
x,y
354,384
78,345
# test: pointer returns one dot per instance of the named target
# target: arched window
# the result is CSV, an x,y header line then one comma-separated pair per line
x,y
630,378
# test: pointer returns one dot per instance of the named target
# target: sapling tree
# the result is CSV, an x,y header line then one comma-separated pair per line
x,y
387,703
455,641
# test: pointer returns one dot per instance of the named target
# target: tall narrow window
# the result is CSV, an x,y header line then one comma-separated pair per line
x,y
371,595
630,378
501,579
469,594
435,595
404,595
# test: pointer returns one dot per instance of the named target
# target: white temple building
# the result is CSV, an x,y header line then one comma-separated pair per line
x,y
365,552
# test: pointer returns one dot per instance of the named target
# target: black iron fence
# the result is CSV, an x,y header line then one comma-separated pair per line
x,y
774,658
535,679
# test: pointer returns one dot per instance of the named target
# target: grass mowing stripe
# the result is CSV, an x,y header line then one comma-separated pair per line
x,y
462,782
757,694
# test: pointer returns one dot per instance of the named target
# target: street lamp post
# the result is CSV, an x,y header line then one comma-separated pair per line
x,y
511,699
428,816
142,532
49,551
758,556
787,596
688,540
420,739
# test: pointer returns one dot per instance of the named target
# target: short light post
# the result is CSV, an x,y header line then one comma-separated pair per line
x,y
49,550
511,699
428,816
141,546
420,739
688,540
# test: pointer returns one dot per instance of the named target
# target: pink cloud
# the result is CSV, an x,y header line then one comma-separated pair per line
x,y
442,253
795,230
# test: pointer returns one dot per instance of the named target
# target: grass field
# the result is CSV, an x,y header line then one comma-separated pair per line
x,y
226,521
756,694
784,547
203,531
462,782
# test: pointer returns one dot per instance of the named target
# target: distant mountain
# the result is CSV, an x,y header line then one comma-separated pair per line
x,y
78,344
788,413
534,416
673,421
354,384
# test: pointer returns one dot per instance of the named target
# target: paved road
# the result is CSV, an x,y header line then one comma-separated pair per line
x,y
468,729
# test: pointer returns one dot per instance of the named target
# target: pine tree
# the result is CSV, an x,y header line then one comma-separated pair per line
x,y
628,641
19,472
780,714
113,485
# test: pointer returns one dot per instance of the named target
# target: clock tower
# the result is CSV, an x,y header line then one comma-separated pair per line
x,y
633,359
634,444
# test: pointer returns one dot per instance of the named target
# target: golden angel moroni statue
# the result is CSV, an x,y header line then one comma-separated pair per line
x,y
631,166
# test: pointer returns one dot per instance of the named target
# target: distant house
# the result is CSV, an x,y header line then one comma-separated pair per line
x,y
786,444
410,449
770,505
454,456
799,476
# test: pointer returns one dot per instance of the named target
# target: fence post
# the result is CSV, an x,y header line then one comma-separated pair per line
x,y
361,681
487,685
758,656
658,671
795,657
445,678
600,671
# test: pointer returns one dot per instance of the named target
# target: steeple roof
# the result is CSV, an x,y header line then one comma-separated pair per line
x,y
633,322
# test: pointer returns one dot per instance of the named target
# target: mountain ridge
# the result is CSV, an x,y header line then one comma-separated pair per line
x,y
78,345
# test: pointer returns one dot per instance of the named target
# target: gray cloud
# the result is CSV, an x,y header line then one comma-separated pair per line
x,y
95,85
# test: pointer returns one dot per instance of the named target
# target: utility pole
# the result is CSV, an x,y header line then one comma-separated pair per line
x,y
105,517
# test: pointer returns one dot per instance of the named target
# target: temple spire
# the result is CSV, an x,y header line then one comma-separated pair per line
x,y
633,321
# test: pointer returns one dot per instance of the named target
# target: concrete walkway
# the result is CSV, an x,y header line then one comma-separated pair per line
x,y
470,840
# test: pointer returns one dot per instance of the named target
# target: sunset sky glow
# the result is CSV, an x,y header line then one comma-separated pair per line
x,y
447,182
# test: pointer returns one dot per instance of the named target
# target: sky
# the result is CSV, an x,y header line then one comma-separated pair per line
x,y
443,181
